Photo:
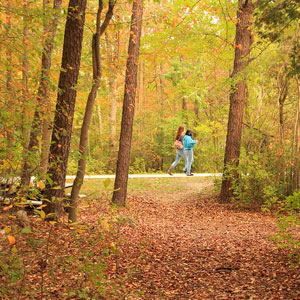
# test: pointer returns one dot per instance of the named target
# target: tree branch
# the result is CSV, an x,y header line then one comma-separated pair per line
x,y
108,15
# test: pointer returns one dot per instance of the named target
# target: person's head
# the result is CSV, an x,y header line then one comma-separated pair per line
x,y
180,132
189,132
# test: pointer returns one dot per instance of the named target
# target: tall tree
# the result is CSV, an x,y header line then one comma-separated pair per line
x,y
64,112
97,73
25,71
40,115
113,55
120,186
9,73
243,42
295,145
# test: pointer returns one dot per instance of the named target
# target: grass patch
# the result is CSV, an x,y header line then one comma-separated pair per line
x,y
96,187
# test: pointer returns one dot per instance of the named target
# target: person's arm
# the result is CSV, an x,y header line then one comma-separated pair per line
x,y
192,142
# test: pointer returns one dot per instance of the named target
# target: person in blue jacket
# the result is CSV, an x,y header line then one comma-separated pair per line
x,y
188,145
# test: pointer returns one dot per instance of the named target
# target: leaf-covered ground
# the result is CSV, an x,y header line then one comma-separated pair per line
x,y
194,248
172,241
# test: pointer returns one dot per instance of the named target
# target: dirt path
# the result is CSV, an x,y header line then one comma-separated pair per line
x,y
186,246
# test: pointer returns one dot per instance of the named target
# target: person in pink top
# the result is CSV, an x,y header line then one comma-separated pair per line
x,y
179,149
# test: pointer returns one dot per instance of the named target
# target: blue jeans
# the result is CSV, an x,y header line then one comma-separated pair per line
x,y
179,154
189,158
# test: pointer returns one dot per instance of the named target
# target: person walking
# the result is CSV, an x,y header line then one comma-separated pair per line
x,y
188,145
179,149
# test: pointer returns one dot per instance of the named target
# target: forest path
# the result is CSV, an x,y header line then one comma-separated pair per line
x,y
148,175
184,245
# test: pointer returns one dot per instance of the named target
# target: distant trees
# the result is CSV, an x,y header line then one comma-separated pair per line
x,y
186,55
273,17
41,118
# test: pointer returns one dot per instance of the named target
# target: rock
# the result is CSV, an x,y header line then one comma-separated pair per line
x,y
23,218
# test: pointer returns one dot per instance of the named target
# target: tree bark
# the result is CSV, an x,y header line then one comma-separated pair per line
x,y
9,76
45,146
97,73
42,112
99,121
120,186
282,94
141,86
243,40
25,70
184,110
112,78
64,112
295,146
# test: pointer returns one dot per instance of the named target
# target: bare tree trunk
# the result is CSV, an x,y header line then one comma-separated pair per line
x,y
45,146
99,120
112,77
161,85
184,110
141,86
41,114
120,187
295,149
97,73
9,76
25,70
64,112
282,87
243,40
282,94
196,112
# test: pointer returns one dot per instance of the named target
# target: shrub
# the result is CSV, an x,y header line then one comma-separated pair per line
x,y
288,225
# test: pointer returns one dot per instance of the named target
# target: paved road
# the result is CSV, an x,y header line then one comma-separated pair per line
x,y
149,175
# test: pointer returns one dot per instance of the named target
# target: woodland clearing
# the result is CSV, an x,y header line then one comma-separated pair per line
x,y
172,241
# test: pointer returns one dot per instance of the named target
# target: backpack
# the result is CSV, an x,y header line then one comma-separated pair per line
x,y
178,145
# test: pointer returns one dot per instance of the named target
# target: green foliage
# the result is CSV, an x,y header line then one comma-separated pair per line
x,y
11,271
292,203
256,186
288,225
272,17
139,166
84,257
295,59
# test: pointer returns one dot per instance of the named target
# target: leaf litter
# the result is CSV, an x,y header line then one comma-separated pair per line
x,y
162,245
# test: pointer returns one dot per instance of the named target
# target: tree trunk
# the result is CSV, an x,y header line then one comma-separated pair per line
x,y
295,147
64,112
184,110
99,121
97,72
161,85
243,40
120,187
282,94
141,86
112,77
9,76
41,114
25,70
113,112
45,146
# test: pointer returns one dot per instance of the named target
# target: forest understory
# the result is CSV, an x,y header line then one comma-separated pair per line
x,y
168,243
